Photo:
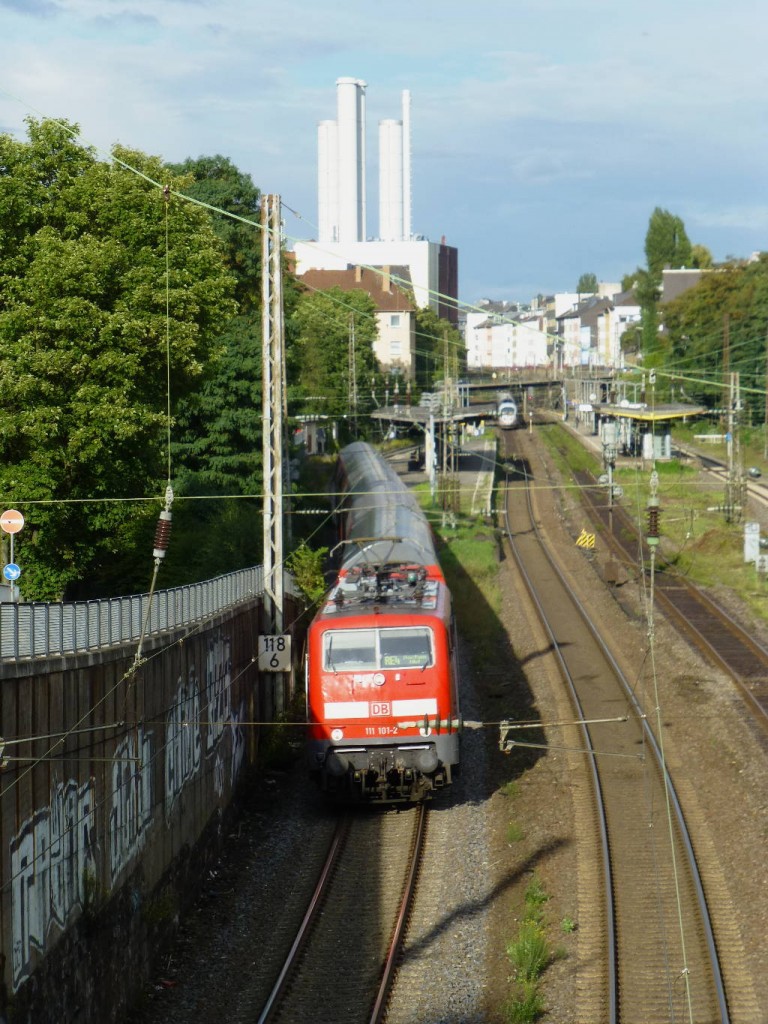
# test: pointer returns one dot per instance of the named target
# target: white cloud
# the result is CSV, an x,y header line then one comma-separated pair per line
x,y
521,112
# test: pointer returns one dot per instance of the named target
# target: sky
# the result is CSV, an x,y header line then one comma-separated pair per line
x,y
544,132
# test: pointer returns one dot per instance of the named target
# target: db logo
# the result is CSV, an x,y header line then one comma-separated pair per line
x,y
381,708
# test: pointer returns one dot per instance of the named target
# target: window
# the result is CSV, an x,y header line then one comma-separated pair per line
x,y
350,650
395,348
369,650
394,320
405,648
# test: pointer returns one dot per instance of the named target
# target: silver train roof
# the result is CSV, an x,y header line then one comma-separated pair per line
x,y
385,524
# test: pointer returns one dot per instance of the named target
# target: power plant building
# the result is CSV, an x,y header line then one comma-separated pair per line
x,y
341,166
341,205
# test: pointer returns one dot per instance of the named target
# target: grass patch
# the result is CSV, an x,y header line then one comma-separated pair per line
x,y
752,441
514,832
535,900
469,553
695,540
567,451
530,953
526,1005
510,789
469,557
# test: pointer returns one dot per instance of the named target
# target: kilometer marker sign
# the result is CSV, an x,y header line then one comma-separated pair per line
x,y
275,653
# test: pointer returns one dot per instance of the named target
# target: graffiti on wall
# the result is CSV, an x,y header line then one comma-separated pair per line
x,y
53,854
130,815
218,689
52,857
238,742
182,738
220,714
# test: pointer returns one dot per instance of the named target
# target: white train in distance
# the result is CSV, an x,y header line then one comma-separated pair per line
x,y
506,412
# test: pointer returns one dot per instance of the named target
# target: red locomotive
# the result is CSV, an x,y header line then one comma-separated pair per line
x,y
382,685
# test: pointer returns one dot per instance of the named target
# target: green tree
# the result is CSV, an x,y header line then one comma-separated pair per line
x,y
734,299
437,340
218,429
215,181
629,281
318,359
588,284
701,257
86,322
307,564
666,243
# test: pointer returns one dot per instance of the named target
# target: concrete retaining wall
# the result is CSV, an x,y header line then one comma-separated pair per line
x,y
115,789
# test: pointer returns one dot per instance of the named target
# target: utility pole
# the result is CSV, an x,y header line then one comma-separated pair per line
x,y
729,495
352,374
273,407
735,495
740,483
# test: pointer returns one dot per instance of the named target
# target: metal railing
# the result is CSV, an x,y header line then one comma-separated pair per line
x,y
49,630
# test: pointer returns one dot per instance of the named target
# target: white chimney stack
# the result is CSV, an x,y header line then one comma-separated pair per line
x,y
350,96
341,199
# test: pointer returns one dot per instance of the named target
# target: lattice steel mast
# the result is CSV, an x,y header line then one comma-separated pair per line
x,y
273,406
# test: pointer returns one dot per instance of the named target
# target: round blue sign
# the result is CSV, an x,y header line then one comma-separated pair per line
x,y
11,571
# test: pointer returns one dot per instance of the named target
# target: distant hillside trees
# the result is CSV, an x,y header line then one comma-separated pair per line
x,y
84,330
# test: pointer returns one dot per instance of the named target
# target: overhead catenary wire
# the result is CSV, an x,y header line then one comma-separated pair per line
x,y
169,466
659,734
446,299
166,189
168,192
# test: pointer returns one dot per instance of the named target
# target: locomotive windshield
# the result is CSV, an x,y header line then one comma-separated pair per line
x,y
369,650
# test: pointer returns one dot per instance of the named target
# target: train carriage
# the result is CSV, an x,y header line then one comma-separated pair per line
x,y
507,412
382,685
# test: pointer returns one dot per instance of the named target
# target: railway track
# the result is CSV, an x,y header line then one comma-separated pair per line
x,y
698,618
342,963
660,959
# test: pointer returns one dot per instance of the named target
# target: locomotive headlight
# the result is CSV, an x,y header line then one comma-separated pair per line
x,y
337,735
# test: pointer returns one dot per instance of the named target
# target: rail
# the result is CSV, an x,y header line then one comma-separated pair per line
x,y
78,627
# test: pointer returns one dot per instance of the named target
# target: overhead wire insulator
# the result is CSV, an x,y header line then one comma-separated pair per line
x,y
162,533
653,511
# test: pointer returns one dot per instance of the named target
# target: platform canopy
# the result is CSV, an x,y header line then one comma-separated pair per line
x,y
650,414
420,414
